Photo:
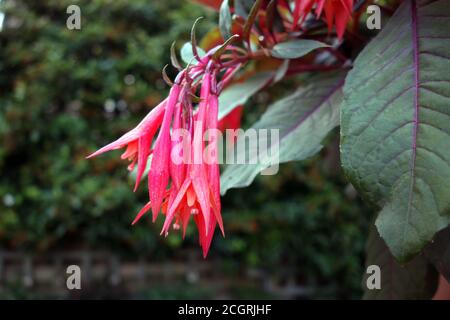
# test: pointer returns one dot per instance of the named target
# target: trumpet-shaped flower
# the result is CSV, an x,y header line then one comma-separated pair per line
x,y
191,187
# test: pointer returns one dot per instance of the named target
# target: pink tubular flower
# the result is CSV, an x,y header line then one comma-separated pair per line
x,y
190,187
213,163
138,141
199,194
159,170
337,12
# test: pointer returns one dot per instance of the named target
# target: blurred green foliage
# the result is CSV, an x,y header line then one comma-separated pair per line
x,y
65,93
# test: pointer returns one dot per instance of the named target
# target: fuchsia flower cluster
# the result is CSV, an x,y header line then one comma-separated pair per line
x,y
189,188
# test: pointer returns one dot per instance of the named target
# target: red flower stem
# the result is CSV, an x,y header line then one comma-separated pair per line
x,y
337,54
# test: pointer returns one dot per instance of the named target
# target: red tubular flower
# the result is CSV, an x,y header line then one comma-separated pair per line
x,y
138,141
199,195
213,161
337,12
159,170
190,187
178,168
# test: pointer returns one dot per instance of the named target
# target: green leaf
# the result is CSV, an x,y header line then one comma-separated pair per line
x,y
303,120
187,55
281,71
438,252
242,7
395,125
415,280
238,93
225,20
295,48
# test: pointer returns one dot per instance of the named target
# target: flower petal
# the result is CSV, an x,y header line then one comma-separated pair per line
x,y
158,177
141,213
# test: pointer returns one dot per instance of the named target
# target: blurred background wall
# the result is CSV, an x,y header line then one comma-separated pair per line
x,y
63,93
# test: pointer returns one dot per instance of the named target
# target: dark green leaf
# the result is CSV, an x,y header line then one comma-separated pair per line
x,y
225,20
238,93
303,120
242,7
281,71
395,125
415,280
295,48
187,55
